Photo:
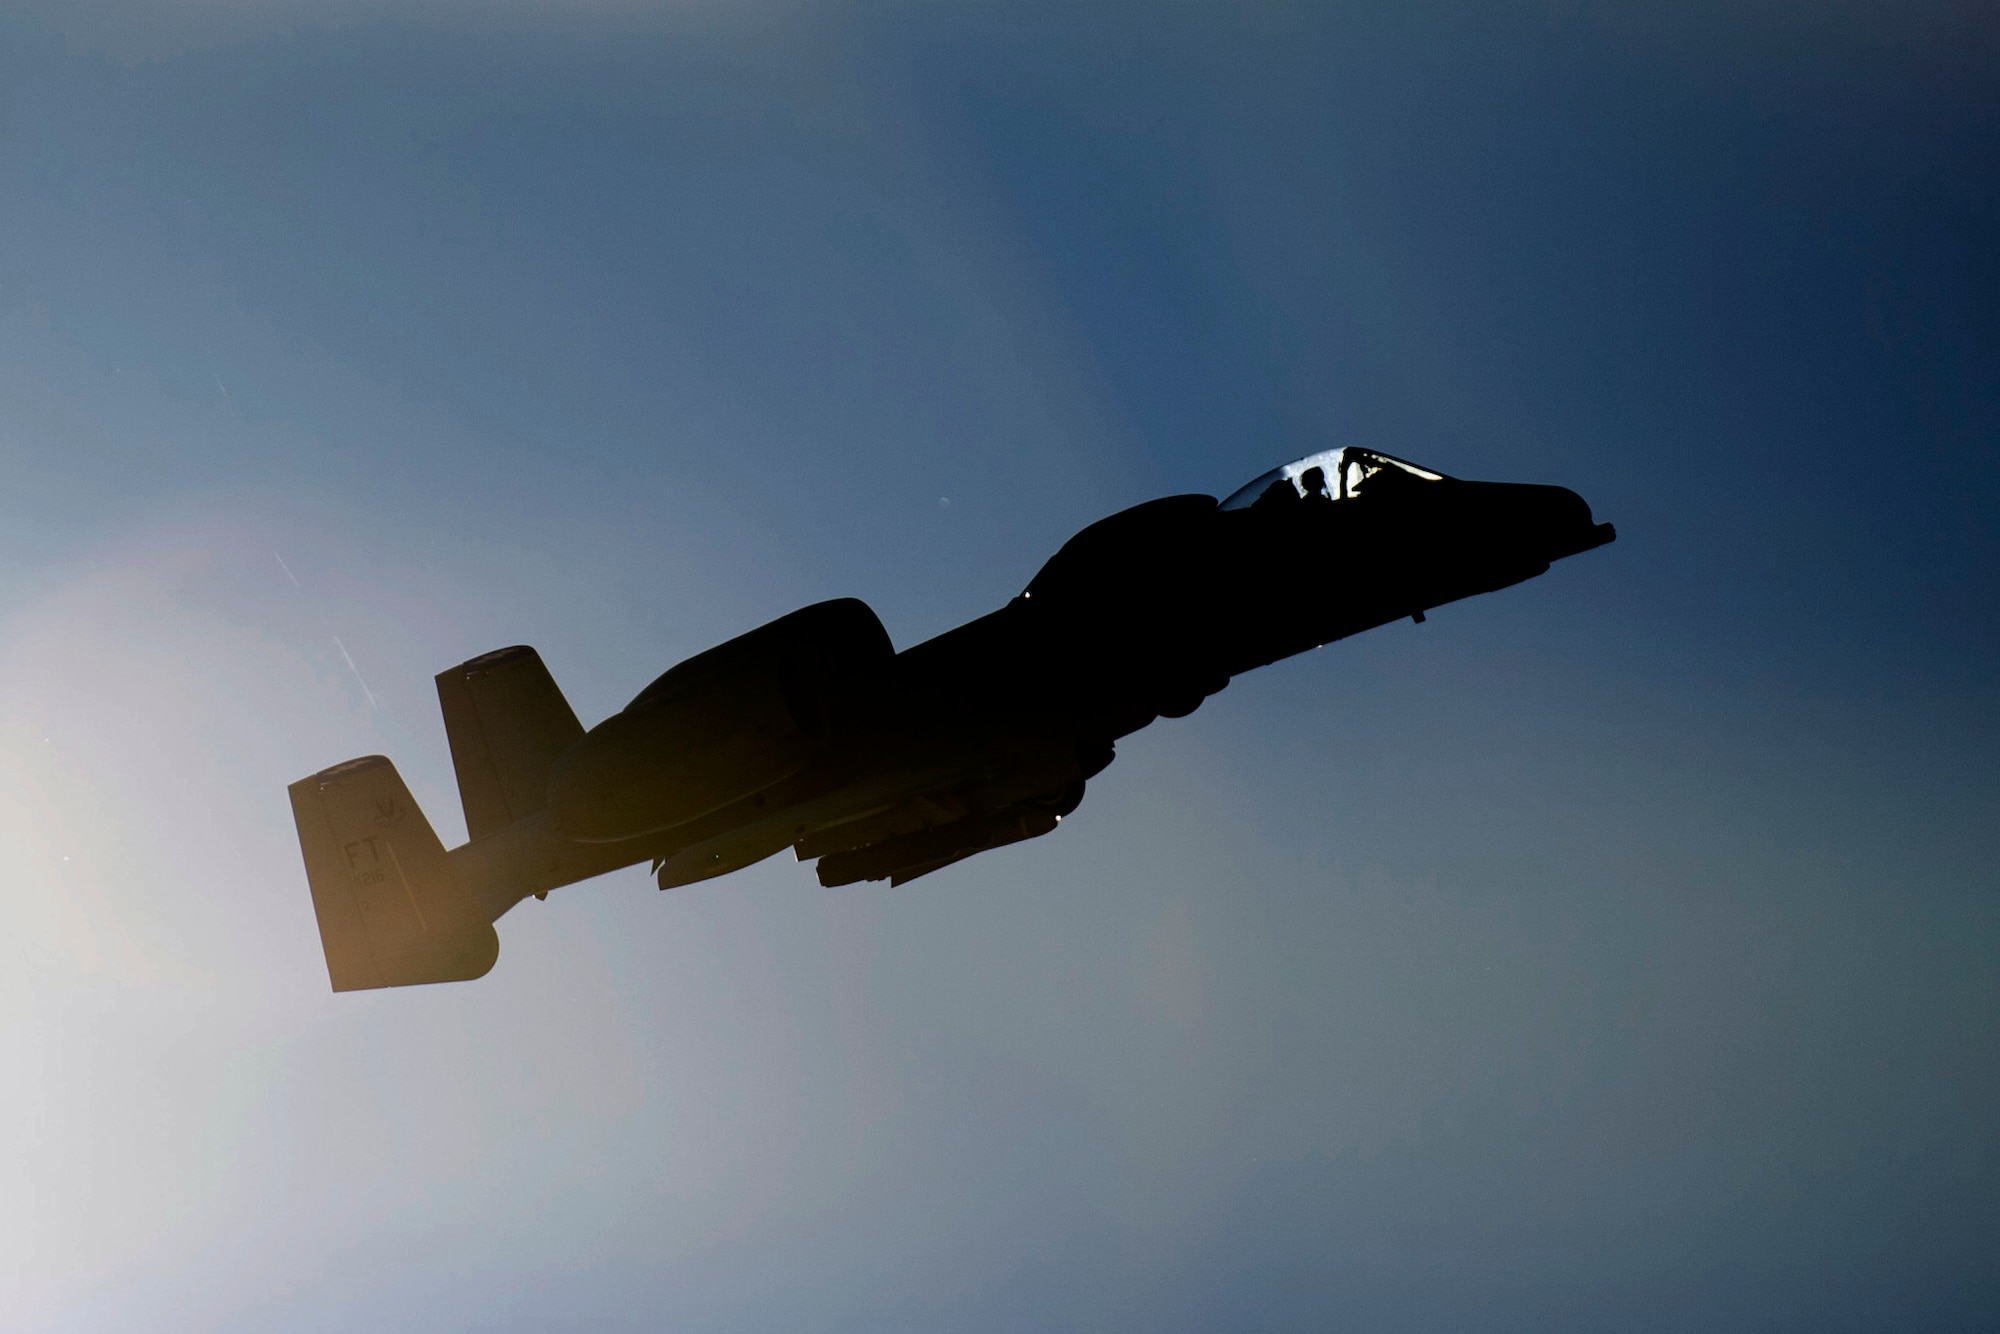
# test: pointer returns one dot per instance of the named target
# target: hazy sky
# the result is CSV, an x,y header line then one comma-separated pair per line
x,y
1620,951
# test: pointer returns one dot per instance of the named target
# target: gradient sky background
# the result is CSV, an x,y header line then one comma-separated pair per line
x,y
1620,951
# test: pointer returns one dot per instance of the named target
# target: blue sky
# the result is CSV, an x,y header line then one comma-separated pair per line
x,y
1617,951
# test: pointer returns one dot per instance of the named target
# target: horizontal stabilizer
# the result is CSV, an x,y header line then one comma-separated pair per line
x,y
391,910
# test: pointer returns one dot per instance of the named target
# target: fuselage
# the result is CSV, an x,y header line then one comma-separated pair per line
x,y
813,734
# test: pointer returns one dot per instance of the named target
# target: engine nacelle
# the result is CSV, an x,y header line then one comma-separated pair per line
x,y
721,726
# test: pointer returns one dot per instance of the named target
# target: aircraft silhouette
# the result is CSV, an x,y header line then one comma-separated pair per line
x,y
813,733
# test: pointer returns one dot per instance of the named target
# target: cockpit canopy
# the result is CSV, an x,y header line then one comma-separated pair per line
x,y
1334,474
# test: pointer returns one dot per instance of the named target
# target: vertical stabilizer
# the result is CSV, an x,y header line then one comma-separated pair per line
x,y
392,912
507,723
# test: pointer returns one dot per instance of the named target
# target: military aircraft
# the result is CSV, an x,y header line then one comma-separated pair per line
x,y
813,733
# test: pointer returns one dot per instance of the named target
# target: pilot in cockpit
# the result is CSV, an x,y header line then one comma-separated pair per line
x,y
1332,475
1279,492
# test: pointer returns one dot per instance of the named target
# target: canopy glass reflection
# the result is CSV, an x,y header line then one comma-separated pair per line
x,y
1333,474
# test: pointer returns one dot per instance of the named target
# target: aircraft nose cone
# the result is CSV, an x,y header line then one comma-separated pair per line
x,y
1561,519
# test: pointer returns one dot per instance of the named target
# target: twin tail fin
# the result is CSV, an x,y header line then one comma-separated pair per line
x,y
507,721
392,910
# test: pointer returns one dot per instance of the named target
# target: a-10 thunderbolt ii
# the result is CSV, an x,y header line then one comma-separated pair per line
x,y
813,733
